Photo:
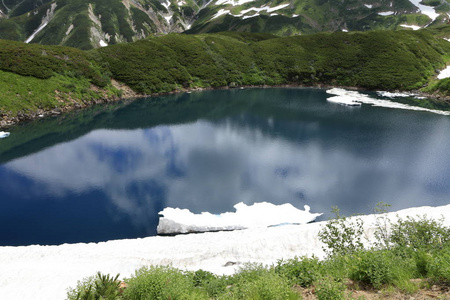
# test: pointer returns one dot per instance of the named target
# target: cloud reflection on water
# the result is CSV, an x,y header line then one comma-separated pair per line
x,y
210,166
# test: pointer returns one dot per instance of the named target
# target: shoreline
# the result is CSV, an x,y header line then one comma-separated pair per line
x,y
49,270
129,95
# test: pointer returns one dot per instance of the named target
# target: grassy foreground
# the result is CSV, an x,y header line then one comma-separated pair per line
x,y
36,78
413,258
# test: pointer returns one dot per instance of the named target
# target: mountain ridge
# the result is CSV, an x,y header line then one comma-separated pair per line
x,y
88,24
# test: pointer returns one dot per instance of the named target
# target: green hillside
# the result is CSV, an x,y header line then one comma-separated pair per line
x,y
36,77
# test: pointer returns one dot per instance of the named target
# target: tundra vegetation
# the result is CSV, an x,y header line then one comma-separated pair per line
x,y
42,78
408,257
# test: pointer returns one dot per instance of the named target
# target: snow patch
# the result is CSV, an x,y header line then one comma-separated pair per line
x,y
168,18
4,134
233,2
248,17
342,98
49,270
175,220
103,43
413,27
368,5
69,29
220,13
444,73
386,13
272,9
48,16
426,10
394,95
355,96
166,4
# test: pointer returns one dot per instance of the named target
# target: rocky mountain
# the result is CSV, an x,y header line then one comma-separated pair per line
x,y
87,24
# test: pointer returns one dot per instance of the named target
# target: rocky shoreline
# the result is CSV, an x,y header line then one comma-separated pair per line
x,y
7,121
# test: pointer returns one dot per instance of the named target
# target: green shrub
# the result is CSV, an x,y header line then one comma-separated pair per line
x,y
159,283
329,289
374,268
419,234
302,271
257,282
96,287
212,284
341,235
439,267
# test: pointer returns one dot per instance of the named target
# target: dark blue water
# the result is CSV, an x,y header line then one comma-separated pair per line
x,y
105,173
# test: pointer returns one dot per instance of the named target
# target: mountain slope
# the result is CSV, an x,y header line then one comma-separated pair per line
x,y
89,24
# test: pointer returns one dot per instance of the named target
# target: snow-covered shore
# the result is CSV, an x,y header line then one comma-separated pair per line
x,y
45,272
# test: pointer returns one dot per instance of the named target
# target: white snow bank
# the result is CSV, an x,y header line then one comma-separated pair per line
x,y
233,2
4,134
46,271
175,220
103,43
413,27
354,96
386,13
426,10
45,20
394,95
343,98
220,12
444,73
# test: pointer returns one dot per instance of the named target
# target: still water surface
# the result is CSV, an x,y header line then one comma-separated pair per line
x,y
105,173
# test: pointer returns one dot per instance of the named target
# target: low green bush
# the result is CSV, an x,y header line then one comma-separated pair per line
x,y
328,288
302,271
96,287
257,282
419,233
341,235
161,282
439,266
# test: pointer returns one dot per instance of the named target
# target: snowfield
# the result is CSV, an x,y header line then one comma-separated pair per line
x,y
45,272
346,97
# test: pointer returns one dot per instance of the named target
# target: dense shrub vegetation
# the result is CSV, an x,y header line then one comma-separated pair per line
x,y
385,60
413,254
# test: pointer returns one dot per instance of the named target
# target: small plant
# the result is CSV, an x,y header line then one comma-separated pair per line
x,y
439,267
261,283
422,233
302,271
382,225
342,235
374,268
329,289
158,283
96,287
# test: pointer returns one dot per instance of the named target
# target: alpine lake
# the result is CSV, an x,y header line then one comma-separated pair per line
x,y
105,172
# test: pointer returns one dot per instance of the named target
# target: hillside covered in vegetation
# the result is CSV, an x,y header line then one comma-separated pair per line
x,y
37,78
